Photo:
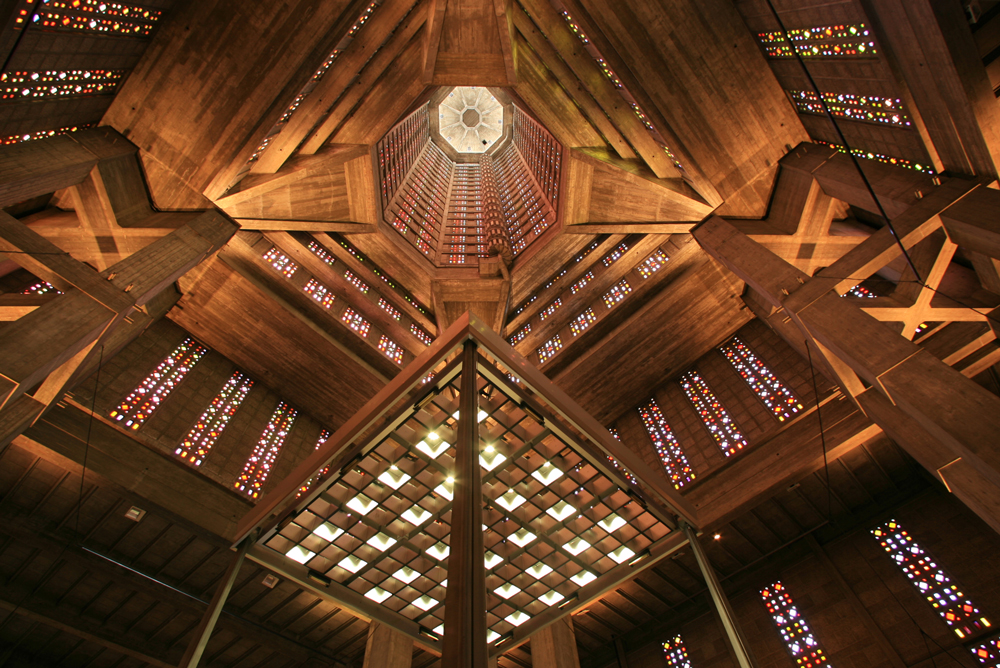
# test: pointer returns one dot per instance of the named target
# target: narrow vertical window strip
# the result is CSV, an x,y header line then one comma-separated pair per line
x,y
930,579
324,436
615,462
138,406
212,423
669,450
261,462
798,638
676,653
713,414
779,399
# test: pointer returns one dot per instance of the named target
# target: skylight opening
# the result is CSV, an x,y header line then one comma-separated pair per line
x,y
576,546
406,575
352,563
621,555
506,590
362,504
561,510
522,537
300,554
327,532
547,474
439,551
511,500
378,594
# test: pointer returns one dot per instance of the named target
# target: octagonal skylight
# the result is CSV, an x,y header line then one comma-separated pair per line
x,y
471,119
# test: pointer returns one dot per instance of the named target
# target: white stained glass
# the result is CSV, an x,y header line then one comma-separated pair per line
x,y
622,554
522,537
416,515
482,414
490,458
539,570
506,590
447,489
361,504
433,446
352,563
561,510
583,577
381,542
551,598
406,575
439,551
439,629
612,523
327,532
300,554
547,474
517,618
511,500
493,559
394,477
576,546
491,635
378,594
425,603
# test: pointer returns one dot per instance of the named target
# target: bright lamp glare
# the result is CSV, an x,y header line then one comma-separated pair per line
x,y
433,447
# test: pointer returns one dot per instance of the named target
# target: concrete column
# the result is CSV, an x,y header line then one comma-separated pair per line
x,y
387,648
555,646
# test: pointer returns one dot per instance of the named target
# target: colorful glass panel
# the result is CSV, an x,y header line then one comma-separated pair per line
x,y
390,349
550,309
354,320
388,308
319,292
582,322
861,292
579,285
799,640
261,461
821,42
523,332
878,157
42,134
42,288
867,108
615,255
779,399
676,653
712,413
671,455
324,436
98,16
209,427
616,464
930,579
988,652
617,293
322,253
136,408
653,263
355,281
281,262
58,83
549,349
421,335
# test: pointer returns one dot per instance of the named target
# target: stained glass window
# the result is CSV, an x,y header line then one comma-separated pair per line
x,y
716,418
281,262
867,108
988,652
388,308
58,83
154,389
42,134
878,157
617,465
667,447
582,322
549,349
550,309
319,292
824,41
860,291
778,398
617,293
98,16
799,640
324,436
579,285
653,263
355,281
356,322
676,653
921,328
523,332
930,579
262,459
423,336
616,254
322,253
42,288
390,349
209,427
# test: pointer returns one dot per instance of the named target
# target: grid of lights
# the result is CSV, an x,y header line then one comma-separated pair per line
x,y
672,457
42,134
616,463
988,652
517,338
552,523
355,321
321,253
861,292
98,16
615,255
390,349
388,308
281,262
582,322
136,408
617,293
653,263
324,436
676,653
868,108
878,157
930,579
58,83
712,413
779,399
319,292
42,288
421,335
258,467
799,640
209,427
353,279
550,309
549,349
824,41
579,285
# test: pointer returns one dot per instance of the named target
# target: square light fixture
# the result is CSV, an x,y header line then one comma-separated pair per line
x,y
622,554
612,523
511,500
447,489
506,590
433,446
361,504
522,537
517,618
394,477
439,551
583,577
576,546
493,559
561,510
300,554
425,603
406,575
490,458
416,515
550,598
539,570
327,532
352,563
378,594
135,513
381,541
547,474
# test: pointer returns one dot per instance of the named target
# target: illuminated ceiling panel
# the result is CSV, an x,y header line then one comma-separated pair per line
x,y
471,119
